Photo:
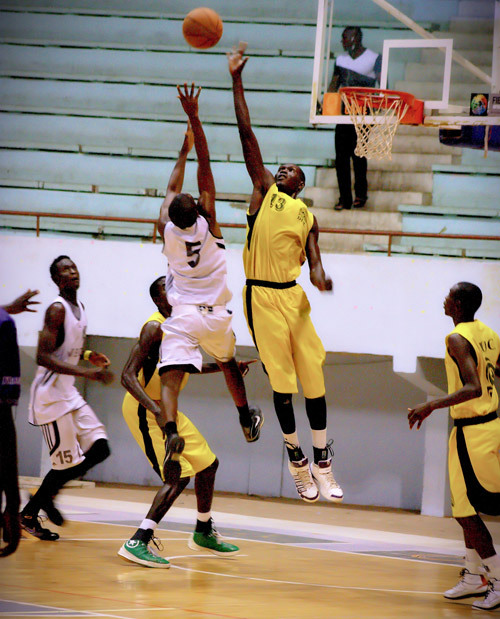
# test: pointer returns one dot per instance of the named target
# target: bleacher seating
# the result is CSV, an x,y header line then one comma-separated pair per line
x,y
137,175
98,204
146,102
162,34
294,11
88,101
154,138
464,201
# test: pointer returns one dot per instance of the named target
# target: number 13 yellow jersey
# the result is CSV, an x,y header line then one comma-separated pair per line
x,y
276,238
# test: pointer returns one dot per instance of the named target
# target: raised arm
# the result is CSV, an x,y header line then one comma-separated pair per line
x,y
22,303
48,342
206,184
144,351
261,177
462,353
176,178
316,272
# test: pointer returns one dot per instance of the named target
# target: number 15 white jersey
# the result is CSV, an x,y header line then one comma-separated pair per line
x,y
52,394
197,262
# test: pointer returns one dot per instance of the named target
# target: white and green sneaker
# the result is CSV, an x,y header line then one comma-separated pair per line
x,y
139,552
212,542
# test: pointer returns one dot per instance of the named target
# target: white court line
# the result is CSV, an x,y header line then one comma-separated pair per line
x,y
273,525
291,545
58,610
64,613
116,539
208,555
131,610
307,584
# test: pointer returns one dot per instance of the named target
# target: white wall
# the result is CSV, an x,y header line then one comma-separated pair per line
x,y
380,305
381,308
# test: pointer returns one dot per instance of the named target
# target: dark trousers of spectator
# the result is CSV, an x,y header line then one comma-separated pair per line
x,y
345,143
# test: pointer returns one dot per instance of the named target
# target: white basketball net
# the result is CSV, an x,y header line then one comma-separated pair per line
x,y
375,138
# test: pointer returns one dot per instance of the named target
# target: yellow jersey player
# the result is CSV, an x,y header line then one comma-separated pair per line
x,y
281,234
141,379
472,359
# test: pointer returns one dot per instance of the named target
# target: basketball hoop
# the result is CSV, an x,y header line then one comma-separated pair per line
x,y
376,115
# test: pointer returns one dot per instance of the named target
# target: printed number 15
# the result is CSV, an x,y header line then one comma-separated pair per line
x,y
65,457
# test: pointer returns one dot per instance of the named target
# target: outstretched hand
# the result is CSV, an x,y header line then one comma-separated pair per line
x,y
418,414
235,58
99,359
243,366
22,303
189,100
101,375
319,279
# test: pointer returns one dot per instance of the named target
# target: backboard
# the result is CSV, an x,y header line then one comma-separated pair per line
x,y
444,60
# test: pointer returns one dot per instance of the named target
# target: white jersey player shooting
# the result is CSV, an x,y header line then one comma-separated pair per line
x,y
195,251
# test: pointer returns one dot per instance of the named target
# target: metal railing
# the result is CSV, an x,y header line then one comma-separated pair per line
x,y
391,234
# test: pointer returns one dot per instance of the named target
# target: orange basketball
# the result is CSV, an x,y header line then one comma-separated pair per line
x,y
202,28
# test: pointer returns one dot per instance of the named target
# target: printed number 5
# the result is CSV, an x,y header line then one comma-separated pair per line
x,y
193,249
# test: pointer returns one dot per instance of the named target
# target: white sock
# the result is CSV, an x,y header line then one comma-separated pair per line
x,y
292,439
148,524
472,561
493,565
319,438
205,517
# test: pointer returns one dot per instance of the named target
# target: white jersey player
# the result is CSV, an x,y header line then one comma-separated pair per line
x,y
195,251
52,394
197,261
76,438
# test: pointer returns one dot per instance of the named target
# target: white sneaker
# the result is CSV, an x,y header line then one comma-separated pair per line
x,y
492,598
304,483
468,586
323,476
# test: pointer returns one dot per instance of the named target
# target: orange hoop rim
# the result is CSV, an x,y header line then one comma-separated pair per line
x,y
362,93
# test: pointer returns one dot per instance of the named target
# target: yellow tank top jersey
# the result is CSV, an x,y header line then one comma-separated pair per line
x,y
153,388
276,238
486,344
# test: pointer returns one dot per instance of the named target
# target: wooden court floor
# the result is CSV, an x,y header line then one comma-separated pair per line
x,y
296,561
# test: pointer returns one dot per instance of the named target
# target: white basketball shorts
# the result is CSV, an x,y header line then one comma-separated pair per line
x,y
192,326
70,436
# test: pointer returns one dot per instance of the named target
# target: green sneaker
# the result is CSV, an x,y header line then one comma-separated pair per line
x,y
213,543
138,552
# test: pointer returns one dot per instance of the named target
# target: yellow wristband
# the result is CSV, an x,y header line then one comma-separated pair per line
x,y
86,354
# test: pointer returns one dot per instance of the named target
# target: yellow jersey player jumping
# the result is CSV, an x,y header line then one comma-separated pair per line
x,y
281,234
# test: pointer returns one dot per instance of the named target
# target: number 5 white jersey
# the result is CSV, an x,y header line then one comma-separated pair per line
x,y
197,262
52,394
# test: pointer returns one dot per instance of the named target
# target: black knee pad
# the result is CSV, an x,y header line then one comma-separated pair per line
x,y
98,452
214,466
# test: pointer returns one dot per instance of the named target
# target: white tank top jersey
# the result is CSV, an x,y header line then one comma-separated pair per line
x,y
364,64
197,263
52,394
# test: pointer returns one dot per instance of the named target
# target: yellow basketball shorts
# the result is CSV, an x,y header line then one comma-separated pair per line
x,y
288,345
197,454
482,442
